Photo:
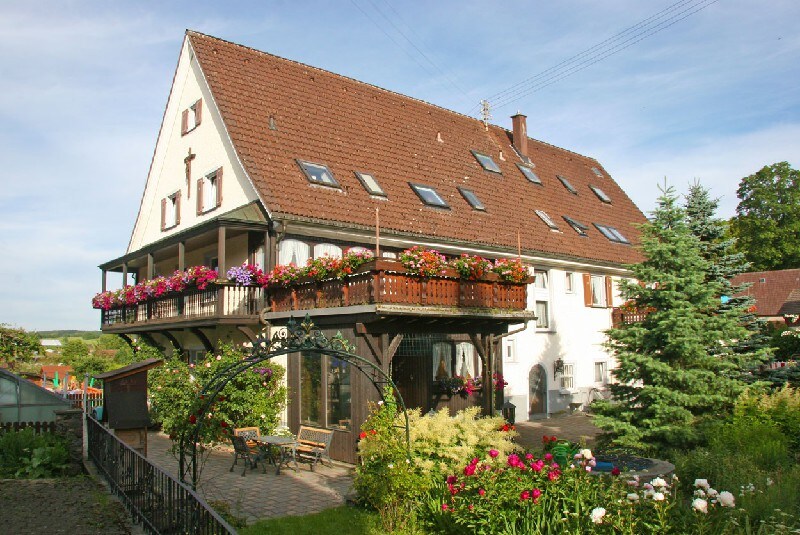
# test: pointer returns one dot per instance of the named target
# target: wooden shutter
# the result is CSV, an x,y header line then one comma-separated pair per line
x,y
219,187
163,214
609,292
587,289
199,196
184,122
178,208
198,112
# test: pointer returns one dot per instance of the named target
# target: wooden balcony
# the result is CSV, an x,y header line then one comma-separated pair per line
x,y
620,317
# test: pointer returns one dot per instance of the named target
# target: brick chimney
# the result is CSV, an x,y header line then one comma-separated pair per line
x,y
520,134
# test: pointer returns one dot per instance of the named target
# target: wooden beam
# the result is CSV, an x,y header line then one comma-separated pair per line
x,y
103,280
124,274
221,267
203,339
149,266
169,336
181,256
248,332
392,349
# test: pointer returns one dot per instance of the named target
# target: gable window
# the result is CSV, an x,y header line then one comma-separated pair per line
x,y
612,234
580,228
601,194
370,184
209,192
597,172
191,116
171,211
318,174
568,376
567,184
429,196
547,221
472,199
529,174
486,162
597,291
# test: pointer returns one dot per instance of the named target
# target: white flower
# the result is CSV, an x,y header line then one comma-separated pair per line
x,y
390,465
770,482
649,493
701,483
700,493
726,499
633,497
700,505
380,403
658,483
659,496
597,515
712,493
587,454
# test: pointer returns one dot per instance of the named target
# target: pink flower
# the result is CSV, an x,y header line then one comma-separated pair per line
x,y
474,460
513,459
524,495
528,456
481,492
469,470
445,507
535,493
493,453
451,479
548,457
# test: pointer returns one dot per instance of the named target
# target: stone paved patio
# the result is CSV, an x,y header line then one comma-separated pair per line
x,y
576,427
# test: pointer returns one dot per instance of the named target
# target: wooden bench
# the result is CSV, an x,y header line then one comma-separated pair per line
x,y
312,445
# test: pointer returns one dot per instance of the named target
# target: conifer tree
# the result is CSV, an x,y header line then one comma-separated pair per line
x,y
676,369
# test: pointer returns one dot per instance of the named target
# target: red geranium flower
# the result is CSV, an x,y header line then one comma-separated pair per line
x,y
192,419
362,435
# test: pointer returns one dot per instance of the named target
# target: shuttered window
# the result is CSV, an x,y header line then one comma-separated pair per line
x,y
597,291
191,117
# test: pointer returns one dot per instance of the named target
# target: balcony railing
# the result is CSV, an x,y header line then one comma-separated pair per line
x,y
620,317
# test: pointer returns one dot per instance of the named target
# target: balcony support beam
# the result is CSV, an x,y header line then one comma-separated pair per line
x,y
124,274
181,255
150,267
207,345
103,281
221,267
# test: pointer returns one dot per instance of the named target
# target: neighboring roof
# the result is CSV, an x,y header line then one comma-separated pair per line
x,y
776,292
350,126
50,370
130,369
49,342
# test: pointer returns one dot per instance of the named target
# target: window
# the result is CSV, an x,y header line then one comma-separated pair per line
x,y
429,195
569,282
612,234
547,221
601,194
597,172
370,184
310,389
601,372
542,315
541,298
568,376
541,279
339,395
509,350
327,249
465,360
190,119
442,361
293,252
486,162
567,184
171,211
597,290
209,192
318,174
472,199
580,228
529,174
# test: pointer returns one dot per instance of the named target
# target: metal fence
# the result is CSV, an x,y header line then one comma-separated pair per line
x,y
155,498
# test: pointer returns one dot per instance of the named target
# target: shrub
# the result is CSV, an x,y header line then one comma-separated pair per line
x,y
26,455
781,408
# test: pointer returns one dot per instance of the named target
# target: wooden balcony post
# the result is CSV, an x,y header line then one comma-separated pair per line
x,y
103,281
221,267
181,256
149,266
124,274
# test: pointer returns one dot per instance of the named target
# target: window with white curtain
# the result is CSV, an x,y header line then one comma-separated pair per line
x,y
568,375
442,364
357,249
465,360
329,249
293,252
542,301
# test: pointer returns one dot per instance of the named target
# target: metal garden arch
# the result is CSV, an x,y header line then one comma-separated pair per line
x,y
303,338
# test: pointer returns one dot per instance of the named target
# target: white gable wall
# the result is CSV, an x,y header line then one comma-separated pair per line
x,y
212,147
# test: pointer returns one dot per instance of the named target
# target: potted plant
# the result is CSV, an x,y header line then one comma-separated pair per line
x,y
423,262
471,267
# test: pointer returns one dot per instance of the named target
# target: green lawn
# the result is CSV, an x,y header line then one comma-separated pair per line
x,y
339,521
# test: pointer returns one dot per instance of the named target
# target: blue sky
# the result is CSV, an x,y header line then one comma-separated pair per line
x,y
713,97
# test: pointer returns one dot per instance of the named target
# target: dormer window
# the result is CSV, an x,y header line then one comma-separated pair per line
x,y
171,211
429,196
612,234
547,221
472,199
597,172
580,228
209,192
370,184
601,194
567,184
318,174
486,162
191,117
529,174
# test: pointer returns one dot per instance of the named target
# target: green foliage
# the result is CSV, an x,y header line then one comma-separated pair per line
x,y
255,397
767,220
25,455
73,350
780,408
336,521
679,366
17,345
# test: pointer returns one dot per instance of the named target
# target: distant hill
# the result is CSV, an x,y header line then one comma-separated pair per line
x,y
69,333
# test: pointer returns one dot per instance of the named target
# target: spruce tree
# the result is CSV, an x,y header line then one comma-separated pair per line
x,y
676,369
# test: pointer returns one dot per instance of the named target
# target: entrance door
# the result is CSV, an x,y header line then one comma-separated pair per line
x,y
537,383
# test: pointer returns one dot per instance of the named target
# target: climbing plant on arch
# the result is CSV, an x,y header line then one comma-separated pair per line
x,y
301,338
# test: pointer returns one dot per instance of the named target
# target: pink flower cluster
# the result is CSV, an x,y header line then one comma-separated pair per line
x,y
510,270
200,276
423,262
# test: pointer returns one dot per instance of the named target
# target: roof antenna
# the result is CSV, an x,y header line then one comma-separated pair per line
x,y
485,113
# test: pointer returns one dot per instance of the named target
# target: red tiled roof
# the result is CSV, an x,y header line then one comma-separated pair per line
x,y
351,126
778,294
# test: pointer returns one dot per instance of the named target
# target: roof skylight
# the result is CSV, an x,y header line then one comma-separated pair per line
x,y
597,172
370,184
546,218
567,185
529,174
318,174
487,162
580,228
601,194
612,233
472,199
429,195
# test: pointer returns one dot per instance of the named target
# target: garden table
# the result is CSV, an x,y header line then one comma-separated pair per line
x,y
286,447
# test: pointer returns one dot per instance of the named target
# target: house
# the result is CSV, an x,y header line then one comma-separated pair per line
x,y
265,160
776,294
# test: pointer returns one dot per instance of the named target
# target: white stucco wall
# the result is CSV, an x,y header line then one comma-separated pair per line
x,y
212,148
